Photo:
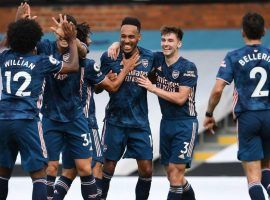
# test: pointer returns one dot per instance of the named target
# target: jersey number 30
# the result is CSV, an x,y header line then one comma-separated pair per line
x,y
258,92
27,80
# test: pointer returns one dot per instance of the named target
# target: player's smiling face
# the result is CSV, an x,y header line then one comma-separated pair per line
x,y
129,38
170,44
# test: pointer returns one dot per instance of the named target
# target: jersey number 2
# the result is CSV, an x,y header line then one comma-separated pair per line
x,y
27,80
258,92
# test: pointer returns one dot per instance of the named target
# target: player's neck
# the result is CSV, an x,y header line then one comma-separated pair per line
x,y
252,42
170,60
128,55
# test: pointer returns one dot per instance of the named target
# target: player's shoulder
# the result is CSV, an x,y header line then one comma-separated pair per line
x,y
159,55
89,62
91,65
6,52
236,52
105,58
146,52
186,63
46,46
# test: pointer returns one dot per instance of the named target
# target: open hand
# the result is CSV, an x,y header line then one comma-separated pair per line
x,y
114,50
146,83
112,76
24,12
132,62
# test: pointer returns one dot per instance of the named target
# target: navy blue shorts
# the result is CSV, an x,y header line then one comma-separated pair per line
x,y
68,162
177,141
24,136
254,135
132,142
74,135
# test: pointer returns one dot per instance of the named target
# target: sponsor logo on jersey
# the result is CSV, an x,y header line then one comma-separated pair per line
x,y
189,74
175,74
145,62
66,57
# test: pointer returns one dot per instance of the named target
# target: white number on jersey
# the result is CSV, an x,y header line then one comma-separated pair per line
x,y
258,92
27,80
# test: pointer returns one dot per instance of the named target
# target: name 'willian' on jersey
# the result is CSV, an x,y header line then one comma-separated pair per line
x,y
249,67
92,76
61,100
128,106
22,79
170,78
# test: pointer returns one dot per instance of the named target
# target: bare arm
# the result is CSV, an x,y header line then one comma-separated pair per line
x,y
209,122
178,98
82,50
73,64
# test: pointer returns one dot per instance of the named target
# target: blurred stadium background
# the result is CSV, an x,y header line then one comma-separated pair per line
x,y
211,28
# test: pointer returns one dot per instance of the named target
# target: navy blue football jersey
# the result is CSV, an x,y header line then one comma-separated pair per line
x,y
128,106
22,79
170,78
92,77
249,68
62,98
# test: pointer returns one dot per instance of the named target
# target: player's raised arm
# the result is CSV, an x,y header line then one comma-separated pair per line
x,y
70,35
57,29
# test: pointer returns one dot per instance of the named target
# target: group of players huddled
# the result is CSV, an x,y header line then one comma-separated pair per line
x,y
57,80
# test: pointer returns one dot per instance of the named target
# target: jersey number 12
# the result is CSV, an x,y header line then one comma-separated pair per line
x,y
27,80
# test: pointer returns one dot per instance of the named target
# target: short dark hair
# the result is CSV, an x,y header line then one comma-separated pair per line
x,y
253,25
83,30
23,35
172,29
132,21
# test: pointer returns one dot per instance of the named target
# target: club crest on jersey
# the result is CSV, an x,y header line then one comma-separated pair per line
x,y
66,57
145,62
96,67
175,74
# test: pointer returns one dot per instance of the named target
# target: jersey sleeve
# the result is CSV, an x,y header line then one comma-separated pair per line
x,y
92,73
51,65
107,64
189,76
225,71
156,60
